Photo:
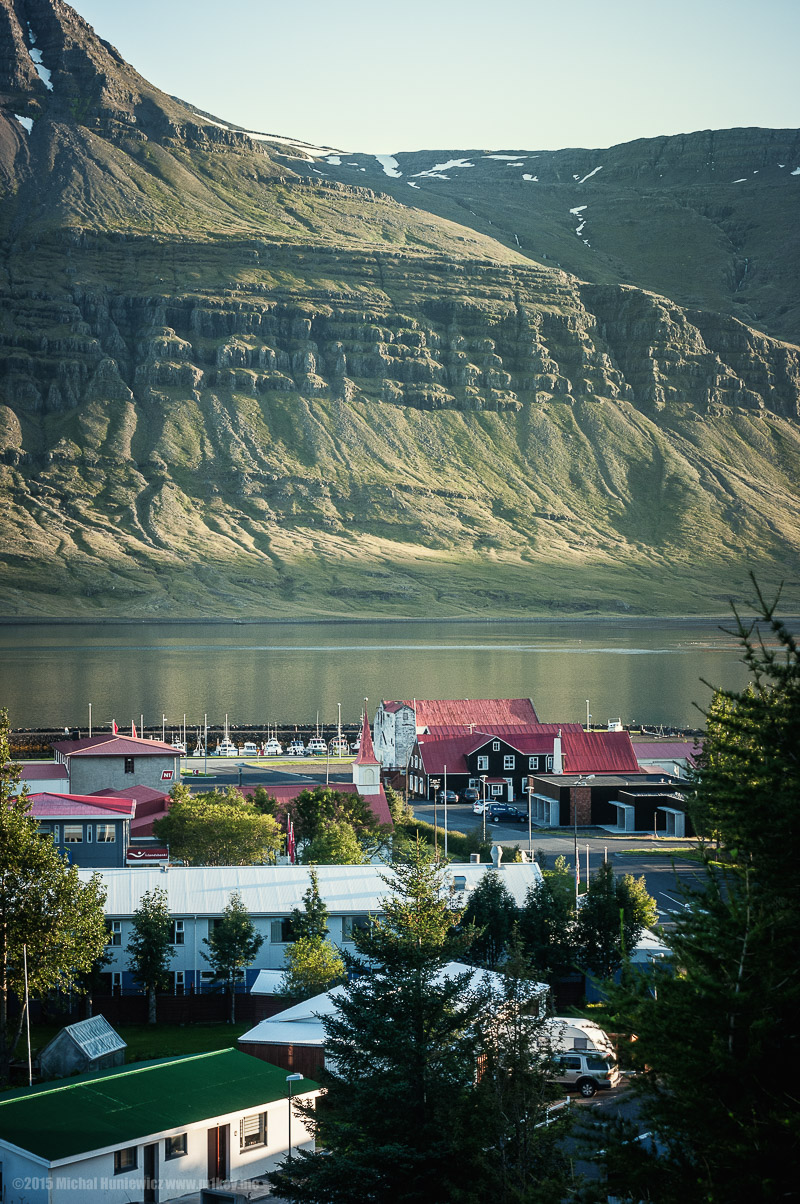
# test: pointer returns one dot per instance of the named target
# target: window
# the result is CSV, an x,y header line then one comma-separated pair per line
x,y
483,763
125,1160
129,764
508,762
253,1130
88,833
351,923
280,932
114,932
175,1147
178,934
497,789
106,834
533,762
49,830
459,882
549,764
73,833
496,746
180,987
116,982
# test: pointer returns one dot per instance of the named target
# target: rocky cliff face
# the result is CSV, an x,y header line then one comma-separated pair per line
x,y
225,388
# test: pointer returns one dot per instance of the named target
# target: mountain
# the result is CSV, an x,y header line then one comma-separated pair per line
x,y
240,378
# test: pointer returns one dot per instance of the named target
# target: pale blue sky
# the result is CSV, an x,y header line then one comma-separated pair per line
x,y
447,74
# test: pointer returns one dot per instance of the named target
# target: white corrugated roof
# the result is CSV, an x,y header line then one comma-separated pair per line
x,y
302,1024
273,890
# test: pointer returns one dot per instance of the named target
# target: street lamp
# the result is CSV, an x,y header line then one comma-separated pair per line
x,y
588,716
291,1078
436,783
483,787
578,782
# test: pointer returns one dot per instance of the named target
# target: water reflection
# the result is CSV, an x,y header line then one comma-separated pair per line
x,y
288,672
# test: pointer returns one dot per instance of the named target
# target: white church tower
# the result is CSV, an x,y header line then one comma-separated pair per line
x,y
366,767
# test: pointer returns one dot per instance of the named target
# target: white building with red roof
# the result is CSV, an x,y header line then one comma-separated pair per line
x,y
397,724
115,762
39,776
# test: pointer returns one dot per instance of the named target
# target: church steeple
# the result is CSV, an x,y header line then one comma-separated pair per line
x,y
366,767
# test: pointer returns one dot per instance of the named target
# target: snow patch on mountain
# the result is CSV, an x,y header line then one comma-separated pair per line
x,y
36,59
513,157
390,165
25,122
435,172
589,175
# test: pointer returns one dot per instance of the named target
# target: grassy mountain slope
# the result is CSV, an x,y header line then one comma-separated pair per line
x,y
229,388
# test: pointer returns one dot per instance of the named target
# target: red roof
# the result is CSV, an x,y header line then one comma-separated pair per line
x,y
43,773
509,731
392,707
366,752
78,805
598,752
286,792
436,754
114,746
147,800
463,711
667,750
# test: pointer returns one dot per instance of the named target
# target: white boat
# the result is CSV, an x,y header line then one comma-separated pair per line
x,y
248,749
339,747
317,745
179,747
296,749
226,748
272,749
198,750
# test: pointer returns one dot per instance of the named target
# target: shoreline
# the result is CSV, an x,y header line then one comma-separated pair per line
x,y
632,620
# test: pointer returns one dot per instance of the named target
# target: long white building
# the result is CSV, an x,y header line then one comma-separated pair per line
x,y
198,895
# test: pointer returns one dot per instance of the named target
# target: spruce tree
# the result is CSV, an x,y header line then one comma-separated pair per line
x,y
491,913
402,1057
547,923
611,917
716,1032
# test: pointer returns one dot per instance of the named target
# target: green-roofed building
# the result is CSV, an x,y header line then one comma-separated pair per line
x,y
153,1131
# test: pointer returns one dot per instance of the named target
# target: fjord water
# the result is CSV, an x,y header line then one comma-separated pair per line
x,y
646,671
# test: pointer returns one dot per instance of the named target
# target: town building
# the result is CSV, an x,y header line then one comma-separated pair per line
x,y
502,763
153,1131
622,802
40,777
295,1037
397,724
115,762
674,757
197,896
89,830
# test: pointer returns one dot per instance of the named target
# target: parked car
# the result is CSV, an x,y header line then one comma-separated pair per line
x,y
470,795
479,805
504,813
452,797
586,1071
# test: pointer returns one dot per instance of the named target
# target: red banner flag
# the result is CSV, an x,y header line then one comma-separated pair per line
x,y
114,727
133,728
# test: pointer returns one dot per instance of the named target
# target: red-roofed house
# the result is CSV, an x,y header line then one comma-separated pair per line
x,y
93,832
150,806
397,724
40,776
471,757
116,762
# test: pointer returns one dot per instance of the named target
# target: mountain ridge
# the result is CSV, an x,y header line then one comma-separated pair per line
x,y
231,387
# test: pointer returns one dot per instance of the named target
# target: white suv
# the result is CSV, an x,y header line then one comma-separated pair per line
x,y
586,1071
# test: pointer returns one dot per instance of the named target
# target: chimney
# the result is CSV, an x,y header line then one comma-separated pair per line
x,y
497,856
558,763
474,858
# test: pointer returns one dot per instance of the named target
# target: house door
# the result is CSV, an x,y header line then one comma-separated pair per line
x,y
151,1174
218,1142
510,785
